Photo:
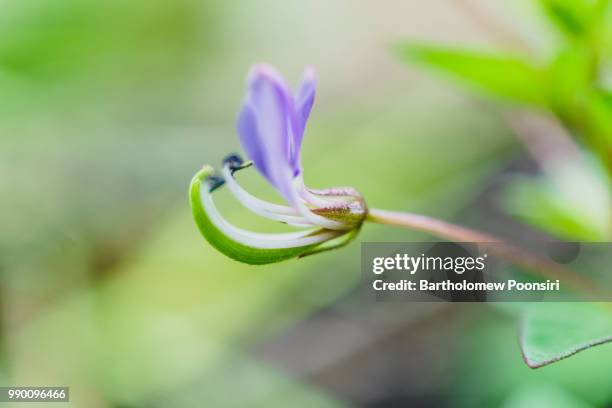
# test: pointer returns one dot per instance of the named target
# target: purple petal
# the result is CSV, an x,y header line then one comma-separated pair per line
x,y
249,137
304,100
264,123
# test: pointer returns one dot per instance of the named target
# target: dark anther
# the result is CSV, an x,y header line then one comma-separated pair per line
x,y
234,161
214,182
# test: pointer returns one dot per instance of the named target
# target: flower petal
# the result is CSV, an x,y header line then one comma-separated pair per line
x,y
264,125
304,99
249,137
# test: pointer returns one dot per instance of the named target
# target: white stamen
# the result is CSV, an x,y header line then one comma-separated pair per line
x,y
321,200
266,209
317,200
263,240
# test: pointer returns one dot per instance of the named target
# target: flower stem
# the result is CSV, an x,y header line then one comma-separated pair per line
x,y
429,225
499,247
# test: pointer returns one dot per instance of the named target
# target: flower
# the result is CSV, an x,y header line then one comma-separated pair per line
x,y
271,126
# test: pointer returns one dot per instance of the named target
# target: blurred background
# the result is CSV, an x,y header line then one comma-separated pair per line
x,y
107,109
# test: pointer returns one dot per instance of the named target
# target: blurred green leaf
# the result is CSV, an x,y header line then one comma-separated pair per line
x,y
598,131
504,76
601,116
571,76
574,17
489,346
539,203
543,396
553,331
567,14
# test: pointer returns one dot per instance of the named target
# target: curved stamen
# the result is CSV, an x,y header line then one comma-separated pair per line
x,y
264,240
236,163
289,215
260,207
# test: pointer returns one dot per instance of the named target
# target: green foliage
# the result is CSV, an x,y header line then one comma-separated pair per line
x,y
504,76
493,347
563,201
569,84
568,87
553,331
543,396
601,116
565,213
535,203
576,18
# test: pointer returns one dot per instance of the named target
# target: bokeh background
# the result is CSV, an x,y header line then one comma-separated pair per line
x,y
108,107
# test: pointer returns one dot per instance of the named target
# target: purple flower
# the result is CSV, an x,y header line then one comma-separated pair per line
x,y
271,126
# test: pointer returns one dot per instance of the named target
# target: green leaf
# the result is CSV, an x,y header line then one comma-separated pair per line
x,y
576,18
553,331
598,133
601,118
571,78
504,76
